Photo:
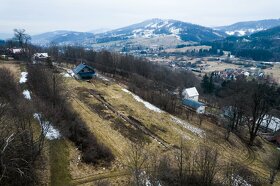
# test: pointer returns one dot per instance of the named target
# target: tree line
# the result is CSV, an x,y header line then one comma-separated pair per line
x,y
20,145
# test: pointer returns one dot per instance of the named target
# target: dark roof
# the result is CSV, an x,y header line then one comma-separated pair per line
x,y
192,103
80,67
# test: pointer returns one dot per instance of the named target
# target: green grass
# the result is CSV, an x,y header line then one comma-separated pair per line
x,y
59,161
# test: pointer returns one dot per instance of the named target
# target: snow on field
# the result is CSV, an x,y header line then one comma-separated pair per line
x,y
26,94
102,77
64,74
23,77
189,127
238,180
50,132
175,30
147,104
71,73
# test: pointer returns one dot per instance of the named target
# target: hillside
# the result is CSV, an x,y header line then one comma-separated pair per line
x,y
64,38
249,27
157,27
261,46
159,32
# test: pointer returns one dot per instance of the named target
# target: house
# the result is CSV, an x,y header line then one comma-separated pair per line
x,y
16,50
190,93
83,71
40,56
4,57
194,105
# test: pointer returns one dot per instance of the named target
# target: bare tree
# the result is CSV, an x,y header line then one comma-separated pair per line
x,y
21,37
182,156
137,157
206,164
259,104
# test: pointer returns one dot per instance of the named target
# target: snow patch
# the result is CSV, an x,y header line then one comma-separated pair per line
x,y
26,94
230,33
238,180
147,104
50,132
23,77
199,132
175,30
66,75
102,77
71,73
137,31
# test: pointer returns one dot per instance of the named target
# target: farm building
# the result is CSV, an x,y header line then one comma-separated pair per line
x,y
194,105
190,93
16,50
40,56
83,71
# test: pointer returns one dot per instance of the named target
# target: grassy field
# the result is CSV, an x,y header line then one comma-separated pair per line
x,y
14,68
187,49
102,123
64,161
274,72
59,162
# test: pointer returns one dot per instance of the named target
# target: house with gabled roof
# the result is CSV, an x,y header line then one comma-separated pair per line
x,y
190,93
83,71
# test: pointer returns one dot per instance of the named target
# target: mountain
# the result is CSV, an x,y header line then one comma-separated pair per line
x,y
100,30
6,35
154,33
271,34
260,46
63,37
2,42
159,27
249,27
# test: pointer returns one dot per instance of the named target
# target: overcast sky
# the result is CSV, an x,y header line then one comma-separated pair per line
x,y
38,16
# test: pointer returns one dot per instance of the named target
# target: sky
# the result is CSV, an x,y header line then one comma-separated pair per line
x,y
38,16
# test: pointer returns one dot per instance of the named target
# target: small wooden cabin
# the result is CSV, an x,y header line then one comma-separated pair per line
x,y
83,71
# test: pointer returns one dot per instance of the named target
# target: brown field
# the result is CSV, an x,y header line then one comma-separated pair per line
x,y
274,72
14,68
118,135
101,121
218,66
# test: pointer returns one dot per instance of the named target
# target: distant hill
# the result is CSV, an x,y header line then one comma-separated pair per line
x,y
249,27
98,31
159,27
63,37
2,42
5,36
150,33
261,46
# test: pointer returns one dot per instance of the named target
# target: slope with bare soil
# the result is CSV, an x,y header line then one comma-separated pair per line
x,y
118,133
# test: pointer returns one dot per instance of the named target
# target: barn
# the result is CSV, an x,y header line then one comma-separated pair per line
x,y
83,71
197,106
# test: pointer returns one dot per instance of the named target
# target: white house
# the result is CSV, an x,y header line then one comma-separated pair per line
x,y
190,93
40,56
16,50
